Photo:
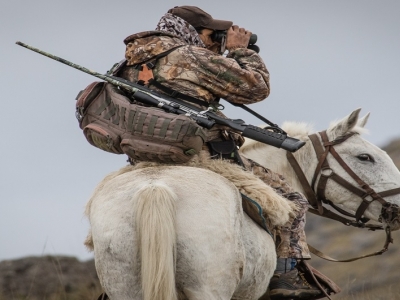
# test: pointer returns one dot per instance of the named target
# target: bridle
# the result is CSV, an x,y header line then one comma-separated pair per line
x,y
315,192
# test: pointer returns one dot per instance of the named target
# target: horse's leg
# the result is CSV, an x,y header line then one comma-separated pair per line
x,y
260,261
211,256
114,239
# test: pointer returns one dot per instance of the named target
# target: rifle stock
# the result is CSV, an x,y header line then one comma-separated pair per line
x,y
206,119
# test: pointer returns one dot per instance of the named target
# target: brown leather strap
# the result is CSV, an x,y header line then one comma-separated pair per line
x,y
349,171
383,250
362,208
343,182
326,213
327,257
337,208
389,192
321,155
333,216
309,270
323,180
317,144
311,197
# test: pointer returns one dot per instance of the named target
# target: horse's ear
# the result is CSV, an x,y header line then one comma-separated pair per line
x,y
361,122
344,125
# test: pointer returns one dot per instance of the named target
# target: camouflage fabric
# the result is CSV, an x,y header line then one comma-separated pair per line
x,y
179,27
241,77
290,239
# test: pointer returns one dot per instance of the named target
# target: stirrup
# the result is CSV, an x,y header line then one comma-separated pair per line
x,y
326,285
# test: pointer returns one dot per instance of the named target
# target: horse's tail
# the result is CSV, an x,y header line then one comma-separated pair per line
x,y
155,225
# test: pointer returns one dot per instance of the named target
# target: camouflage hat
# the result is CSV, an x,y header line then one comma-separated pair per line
x,y
199,18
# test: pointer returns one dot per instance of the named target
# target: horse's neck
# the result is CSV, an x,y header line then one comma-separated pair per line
x,y
275,160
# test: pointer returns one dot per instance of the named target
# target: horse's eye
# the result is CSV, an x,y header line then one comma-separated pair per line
x,y
366,157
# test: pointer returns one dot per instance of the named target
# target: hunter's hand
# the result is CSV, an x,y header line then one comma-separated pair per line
x,y
237,38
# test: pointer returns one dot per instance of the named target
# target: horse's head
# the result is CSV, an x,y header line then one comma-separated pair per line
x,y
355,175
339,168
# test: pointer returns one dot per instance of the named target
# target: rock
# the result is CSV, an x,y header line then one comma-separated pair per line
x,y
48,277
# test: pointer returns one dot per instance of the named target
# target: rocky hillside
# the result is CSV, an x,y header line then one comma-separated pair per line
x,y
48,277
373,278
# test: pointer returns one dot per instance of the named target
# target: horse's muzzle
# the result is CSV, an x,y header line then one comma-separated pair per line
x,y
390,215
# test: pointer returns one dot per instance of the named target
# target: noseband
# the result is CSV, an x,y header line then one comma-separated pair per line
x,y
315,192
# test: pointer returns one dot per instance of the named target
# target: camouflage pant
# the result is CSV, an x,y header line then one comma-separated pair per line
x,y
291,238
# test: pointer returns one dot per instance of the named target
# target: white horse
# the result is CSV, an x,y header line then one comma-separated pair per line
x,y
179,232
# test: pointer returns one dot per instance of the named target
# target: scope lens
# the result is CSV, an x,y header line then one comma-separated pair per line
x,y
253,39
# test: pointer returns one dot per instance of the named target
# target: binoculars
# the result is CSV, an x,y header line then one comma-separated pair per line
x,y
219,35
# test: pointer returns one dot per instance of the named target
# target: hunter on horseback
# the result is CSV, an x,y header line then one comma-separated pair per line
x,y
184,58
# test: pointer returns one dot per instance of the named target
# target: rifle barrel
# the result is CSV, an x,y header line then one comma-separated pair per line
x,y
78,67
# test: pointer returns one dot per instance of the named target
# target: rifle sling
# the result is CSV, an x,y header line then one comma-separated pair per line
x,y
257,115
175,94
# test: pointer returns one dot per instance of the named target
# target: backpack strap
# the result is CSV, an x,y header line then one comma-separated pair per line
x,y
150,64
146,78
145,70
175,94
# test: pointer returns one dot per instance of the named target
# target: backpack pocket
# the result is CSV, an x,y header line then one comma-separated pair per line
x,y
87,96
102,137
145,150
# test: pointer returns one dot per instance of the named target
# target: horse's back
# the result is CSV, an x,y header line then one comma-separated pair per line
x,y
210,254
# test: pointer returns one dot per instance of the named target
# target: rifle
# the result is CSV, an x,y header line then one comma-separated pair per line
x,y
272,135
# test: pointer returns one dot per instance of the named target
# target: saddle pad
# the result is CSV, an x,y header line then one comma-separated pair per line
x,y
255,212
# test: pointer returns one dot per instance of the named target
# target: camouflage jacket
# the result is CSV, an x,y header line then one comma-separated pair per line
x,y
241,77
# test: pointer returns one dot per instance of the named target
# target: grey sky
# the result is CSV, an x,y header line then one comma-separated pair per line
x,y
326,58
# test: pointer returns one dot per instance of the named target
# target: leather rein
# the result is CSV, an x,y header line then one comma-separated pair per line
x,y
316,196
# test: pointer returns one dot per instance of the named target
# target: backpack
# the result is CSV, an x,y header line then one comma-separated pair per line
x,y
111,122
